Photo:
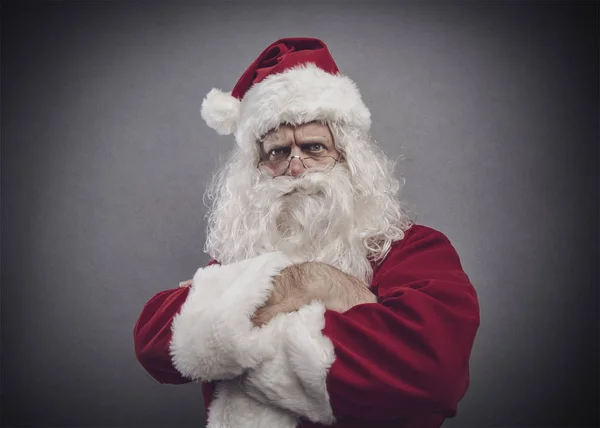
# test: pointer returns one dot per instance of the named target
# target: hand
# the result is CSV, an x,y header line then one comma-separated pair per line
x,y
300,284
186,283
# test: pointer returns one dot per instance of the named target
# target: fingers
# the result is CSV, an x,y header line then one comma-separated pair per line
x,y
265,314
185,283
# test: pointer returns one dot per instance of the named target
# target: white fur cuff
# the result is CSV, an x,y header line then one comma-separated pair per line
x,y
232,408
213,337
295,378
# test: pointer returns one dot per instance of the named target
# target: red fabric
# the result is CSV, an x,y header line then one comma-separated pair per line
x,y
152,335
408,355
402,363
282,55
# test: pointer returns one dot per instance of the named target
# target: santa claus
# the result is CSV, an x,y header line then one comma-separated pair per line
x,y
323,305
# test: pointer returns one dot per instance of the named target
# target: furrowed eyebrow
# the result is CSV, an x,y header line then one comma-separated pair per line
x,y
267,146
311,142
315,138
305,146
278,148
272,144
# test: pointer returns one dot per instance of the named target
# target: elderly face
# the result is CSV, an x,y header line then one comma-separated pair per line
x,y
312,140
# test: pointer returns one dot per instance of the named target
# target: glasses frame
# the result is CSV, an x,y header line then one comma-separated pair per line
x,y
301,159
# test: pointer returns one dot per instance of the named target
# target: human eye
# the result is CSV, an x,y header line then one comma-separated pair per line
x,y
314,148
278,153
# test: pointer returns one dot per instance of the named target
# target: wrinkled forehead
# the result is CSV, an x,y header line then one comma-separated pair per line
x,y
308,130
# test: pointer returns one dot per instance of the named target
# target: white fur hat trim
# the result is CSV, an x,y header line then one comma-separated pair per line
x,y
299,95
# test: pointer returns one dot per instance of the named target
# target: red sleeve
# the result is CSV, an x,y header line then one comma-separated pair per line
x,y
409,353
152,335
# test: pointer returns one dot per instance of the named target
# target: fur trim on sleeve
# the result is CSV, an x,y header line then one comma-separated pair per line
x,y
233,408
213,337
295,378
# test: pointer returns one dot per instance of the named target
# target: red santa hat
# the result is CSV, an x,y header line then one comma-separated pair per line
x,y
294,81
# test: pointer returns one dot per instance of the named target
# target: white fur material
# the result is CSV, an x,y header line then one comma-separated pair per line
x,y
213,336
269,376
220,110
299,95
286,386
295,378
347,217
233,408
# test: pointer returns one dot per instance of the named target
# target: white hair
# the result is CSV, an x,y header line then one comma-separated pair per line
x,y
347,217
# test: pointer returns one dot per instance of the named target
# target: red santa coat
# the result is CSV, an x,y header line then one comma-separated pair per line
x,y
402,362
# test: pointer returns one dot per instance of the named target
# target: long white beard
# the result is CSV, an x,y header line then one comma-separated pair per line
x,y
310,218
348,217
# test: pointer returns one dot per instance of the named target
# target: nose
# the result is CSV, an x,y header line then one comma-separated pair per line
x,y
296,167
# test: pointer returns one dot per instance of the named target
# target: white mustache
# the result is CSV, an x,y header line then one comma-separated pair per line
x,y
314,183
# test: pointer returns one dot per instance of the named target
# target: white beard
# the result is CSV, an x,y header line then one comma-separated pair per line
x,y
348,217
310,218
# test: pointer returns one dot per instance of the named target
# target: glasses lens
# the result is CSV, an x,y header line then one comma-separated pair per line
x,y
273,167
319,163
279,167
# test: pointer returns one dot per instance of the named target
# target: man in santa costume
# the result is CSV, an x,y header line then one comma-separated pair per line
x,y
323,304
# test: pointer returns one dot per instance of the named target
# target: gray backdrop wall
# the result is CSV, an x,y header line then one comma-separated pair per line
x,y
493,105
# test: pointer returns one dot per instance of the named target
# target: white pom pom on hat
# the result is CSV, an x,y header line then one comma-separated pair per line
x,y
294,80
220,110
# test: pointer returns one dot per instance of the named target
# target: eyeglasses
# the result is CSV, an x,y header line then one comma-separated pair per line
x,y
278,167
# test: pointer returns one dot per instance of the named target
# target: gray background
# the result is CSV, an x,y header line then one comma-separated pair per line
x,y
493,105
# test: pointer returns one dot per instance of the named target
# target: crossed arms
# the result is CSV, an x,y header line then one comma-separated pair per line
x,y
298,285
404,355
